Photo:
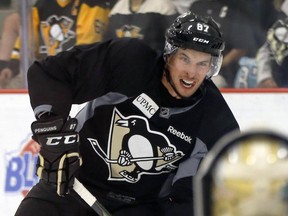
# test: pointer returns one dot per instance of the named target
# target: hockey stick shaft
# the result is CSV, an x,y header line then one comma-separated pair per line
x,y
139,159
136,159
90,199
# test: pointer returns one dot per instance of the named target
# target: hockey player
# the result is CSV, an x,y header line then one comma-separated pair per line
x,y
150,118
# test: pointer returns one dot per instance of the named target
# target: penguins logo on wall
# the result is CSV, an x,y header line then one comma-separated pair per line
x,y
131,153
129,31
55,32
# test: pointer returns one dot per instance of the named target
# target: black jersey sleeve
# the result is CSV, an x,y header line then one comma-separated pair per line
x,y
87,72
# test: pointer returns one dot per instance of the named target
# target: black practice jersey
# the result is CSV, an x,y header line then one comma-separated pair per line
x,y
133,133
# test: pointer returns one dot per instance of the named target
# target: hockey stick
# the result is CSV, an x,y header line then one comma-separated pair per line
x,y
139,159
135,159
90,199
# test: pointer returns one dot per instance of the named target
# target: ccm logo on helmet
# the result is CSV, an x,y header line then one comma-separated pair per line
x,y
67,139
201,40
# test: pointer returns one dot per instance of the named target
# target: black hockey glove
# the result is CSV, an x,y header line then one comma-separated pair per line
x,y
59,156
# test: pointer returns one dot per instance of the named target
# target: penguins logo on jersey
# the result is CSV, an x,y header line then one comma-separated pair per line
x,y
55,32
129,31
135,150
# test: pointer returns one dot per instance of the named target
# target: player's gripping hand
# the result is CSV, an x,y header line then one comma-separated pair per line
x,y
124,158
59,156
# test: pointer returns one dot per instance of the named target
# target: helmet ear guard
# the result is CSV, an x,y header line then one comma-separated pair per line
x,y
216,62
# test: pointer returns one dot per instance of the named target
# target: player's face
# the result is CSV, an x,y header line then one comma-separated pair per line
x,y
188,69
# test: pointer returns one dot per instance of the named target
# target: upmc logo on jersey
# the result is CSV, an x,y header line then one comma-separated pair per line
x,y
147,106
20,168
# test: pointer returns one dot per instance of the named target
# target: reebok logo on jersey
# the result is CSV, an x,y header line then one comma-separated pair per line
x,y
179,134
146,105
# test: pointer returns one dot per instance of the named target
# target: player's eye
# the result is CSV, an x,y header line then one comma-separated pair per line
x,y
204,64
185,59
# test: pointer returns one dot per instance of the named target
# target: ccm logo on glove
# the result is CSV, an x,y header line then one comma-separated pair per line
x,y
67,139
